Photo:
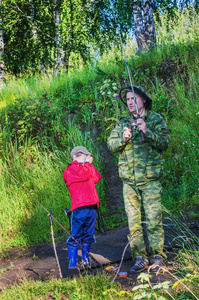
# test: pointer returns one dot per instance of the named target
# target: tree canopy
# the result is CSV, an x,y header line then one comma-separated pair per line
x,y
41,34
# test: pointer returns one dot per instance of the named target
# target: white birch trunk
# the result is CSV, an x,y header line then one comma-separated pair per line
x,y
139,25
34,33
2,64
60,51
34,29
144,24
149,23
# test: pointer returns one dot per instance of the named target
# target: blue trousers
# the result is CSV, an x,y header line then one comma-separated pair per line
x,y
83,225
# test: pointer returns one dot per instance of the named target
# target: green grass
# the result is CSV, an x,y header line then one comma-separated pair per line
x,y
23,221
87,287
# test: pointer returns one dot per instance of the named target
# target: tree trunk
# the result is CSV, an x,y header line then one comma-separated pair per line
x,y
35,35
144,24
2,64
34,28
60,51
149,23
139,25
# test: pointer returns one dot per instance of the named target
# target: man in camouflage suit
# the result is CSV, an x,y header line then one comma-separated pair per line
x,y
140,168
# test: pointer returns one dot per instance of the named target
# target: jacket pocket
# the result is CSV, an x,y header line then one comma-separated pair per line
x,y
154,170
124,171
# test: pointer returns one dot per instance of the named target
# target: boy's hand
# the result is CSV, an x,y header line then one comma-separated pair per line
x,y
89,158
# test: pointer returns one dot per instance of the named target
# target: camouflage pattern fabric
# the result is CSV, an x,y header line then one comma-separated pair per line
x,y
140,168
140,162
148,195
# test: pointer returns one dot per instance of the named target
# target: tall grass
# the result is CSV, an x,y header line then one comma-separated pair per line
x,y
23,221
87,287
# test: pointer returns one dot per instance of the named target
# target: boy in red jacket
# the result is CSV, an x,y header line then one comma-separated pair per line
x,y
81,177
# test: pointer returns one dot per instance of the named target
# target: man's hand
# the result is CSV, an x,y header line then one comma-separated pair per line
x,y
89,158
127,134
141,125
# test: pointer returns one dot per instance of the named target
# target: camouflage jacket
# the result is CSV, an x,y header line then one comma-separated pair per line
x,y
140,162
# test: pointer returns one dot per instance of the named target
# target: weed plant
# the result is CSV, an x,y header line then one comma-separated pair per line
x,y
87,287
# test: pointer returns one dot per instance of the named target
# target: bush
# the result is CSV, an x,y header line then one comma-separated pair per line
x,y
37,118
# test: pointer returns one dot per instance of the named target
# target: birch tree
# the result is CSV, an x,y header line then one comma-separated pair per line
x,y
59,46
76,37
144,24
34,30
37,33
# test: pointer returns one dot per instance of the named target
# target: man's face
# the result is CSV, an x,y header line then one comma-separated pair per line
x,y
131,104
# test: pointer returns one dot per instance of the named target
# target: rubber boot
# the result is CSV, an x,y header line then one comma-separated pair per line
x,y
72,255
85,257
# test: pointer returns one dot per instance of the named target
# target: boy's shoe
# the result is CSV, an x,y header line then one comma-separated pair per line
x,y
86,264
141,264
72,256
157,262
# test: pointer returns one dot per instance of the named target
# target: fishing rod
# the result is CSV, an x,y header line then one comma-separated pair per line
x,y
54,246
127,66
51,216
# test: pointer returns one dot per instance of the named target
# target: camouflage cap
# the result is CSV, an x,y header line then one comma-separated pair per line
x,y
79,149
137,90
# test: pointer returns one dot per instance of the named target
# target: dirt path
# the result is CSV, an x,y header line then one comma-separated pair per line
x,y
40,263
113,183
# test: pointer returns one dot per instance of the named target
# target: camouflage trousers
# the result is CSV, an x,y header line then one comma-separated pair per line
x,y
148,198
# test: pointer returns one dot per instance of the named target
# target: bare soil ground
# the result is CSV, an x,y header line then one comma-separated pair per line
x,y
39,263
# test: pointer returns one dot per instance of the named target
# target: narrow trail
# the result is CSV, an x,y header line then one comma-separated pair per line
x,y
113,184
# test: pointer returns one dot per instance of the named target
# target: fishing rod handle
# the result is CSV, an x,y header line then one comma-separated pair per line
x,y
141,133
142,136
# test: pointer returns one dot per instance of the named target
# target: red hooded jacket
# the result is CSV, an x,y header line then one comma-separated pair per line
x,y
81,180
